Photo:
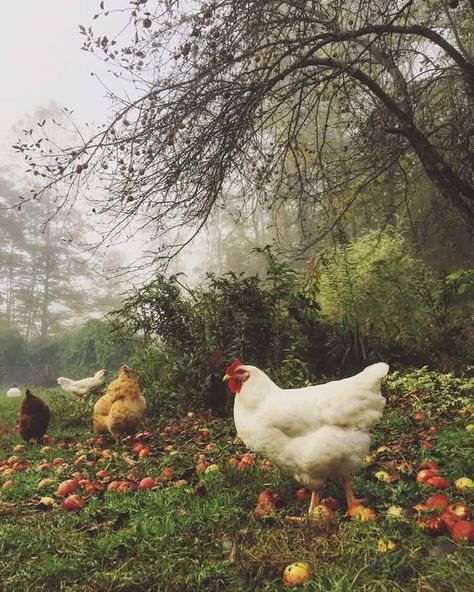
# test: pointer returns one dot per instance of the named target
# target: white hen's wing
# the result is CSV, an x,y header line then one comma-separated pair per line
x,y
354,402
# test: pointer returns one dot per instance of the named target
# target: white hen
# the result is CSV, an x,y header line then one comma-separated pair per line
x,y
83,388
314,432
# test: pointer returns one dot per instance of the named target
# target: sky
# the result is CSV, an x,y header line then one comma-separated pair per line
x,y
41,60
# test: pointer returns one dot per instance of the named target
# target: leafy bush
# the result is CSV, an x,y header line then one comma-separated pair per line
x,y
270,322
383,300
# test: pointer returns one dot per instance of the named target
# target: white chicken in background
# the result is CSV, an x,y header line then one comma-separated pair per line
x,y
83,388
312,433
14,391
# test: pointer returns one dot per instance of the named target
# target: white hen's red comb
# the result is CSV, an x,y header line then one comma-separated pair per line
x,y
233,367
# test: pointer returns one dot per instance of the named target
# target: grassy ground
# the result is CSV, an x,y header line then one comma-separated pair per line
x,y
204,535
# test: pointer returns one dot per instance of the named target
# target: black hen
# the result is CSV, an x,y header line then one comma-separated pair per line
x,y
34,417
214,393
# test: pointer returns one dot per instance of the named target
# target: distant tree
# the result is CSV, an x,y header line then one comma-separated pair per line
x,y
45,281
12,346
306,100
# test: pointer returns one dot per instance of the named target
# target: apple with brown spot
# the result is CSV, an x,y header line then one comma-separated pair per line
x,y
297,574
461,510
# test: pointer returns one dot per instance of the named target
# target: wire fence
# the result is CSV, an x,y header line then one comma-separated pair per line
x,y
39,375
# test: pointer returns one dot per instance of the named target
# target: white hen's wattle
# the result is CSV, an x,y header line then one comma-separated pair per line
x,y
314,432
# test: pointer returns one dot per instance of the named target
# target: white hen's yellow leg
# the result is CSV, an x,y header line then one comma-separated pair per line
x,y
350,497
314,500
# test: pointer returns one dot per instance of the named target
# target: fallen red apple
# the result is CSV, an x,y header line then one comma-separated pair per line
x,y
90,488
67,487
113,485
167,473
438,482
126,486
425,474
58,461
8,484
269,496
137,448
463,530
265,496
103,474
420,416
267,465
296,574
246,462
201,466
438,501
147,483
449,519
264,509
433,525
301,494
73,503
204,434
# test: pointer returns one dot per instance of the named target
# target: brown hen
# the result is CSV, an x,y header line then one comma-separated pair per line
x,y
34,417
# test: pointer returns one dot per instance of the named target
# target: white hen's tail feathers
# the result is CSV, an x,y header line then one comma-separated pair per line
x,y
372,375
365,404
354,402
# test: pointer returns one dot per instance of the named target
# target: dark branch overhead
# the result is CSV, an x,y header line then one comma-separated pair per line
x,y
301,101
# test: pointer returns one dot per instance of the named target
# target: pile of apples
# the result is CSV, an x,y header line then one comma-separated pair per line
x,y
438,514
8,469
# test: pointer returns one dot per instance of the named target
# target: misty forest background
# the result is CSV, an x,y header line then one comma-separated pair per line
x,y
329,245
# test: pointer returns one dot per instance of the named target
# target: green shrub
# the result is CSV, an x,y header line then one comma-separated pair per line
x,y
384,301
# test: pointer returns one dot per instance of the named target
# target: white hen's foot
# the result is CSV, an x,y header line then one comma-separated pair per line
x,y
314,501
350,497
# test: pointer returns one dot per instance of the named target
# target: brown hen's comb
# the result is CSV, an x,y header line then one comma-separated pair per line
x,y
233,367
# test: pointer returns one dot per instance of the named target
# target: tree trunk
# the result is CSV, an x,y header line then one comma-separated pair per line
x,y
46,286
445,179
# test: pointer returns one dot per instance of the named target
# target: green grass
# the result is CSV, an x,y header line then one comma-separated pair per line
x,y
205,535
